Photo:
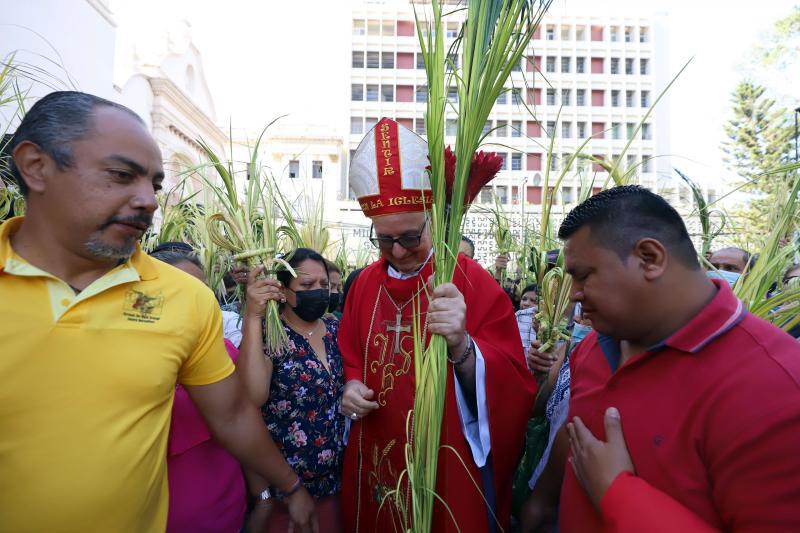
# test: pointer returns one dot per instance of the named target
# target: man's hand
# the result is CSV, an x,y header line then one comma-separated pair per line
x,y
302,512
542,363
596,463
500,264
447,316
259,292
357,400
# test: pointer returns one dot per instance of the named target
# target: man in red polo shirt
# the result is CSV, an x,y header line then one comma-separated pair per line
x,y
684,408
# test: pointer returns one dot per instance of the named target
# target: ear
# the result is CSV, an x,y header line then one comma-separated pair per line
x,y
652,257
33,165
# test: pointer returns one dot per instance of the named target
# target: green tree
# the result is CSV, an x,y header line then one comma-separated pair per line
x,y
758,138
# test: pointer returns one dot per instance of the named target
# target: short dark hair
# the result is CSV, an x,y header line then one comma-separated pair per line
x,y
531,288
300,255
332,267
621,216
174,256
746,257
55,122
469,241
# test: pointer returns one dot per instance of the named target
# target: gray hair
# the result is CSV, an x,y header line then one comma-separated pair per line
x,y
55,122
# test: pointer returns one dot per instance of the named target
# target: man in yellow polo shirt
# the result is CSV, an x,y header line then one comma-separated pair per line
x,y
94,336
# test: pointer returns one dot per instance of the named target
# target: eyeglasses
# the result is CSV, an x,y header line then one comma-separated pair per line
x,y
406,241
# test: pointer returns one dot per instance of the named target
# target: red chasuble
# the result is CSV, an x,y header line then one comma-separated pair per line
x,y
377,348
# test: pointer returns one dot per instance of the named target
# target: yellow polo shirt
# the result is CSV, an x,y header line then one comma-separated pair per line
x,y
86,390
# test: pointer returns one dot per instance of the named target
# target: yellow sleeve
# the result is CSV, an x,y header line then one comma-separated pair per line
x,y
209,361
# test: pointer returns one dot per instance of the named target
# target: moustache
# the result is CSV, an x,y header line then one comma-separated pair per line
x,y
142,221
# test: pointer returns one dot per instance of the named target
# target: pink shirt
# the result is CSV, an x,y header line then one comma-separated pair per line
x,y
206,486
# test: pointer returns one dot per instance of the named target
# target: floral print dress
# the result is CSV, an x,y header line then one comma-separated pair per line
x,y
302,412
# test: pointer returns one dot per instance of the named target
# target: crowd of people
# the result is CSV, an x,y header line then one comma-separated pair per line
x,y
132,401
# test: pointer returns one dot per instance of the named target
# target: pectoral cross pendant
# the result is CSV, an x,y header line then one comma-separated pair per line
x,y
397,329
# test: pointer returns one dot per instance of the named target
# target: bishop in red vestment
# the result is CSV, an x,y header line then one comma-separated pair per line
x,y
489,391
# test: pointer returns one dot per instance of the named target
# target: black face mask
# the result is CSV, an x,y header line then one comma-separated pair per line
x,y
312,304
335,300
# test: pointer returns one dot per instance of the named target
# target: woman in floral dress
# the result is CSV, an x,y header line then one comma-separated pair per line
x,y
299,390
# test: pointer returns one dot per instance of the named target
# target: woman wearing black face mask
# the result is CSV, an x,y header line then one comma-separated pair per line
x,y
299,390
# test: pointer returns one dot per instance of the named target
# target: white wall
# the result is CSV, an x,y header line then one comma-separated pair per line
x,y
70,39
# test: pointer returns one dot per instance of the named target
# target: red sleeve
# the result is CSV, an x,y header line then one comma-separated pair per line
x,y
348,337
631,505
510,387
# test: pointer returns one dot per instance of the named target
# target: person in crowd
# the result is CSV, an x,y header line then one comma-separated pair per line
x,y
526,316
730,259
467,247
299,389
96,334
206,487
489,391
663,329
335,305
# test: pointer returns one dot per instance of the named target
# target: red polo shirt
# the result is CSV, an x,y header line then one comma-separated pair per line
x,y
711,417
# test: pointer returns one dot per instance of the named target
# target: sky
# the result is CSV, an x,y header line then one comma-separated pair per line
x,y
264,59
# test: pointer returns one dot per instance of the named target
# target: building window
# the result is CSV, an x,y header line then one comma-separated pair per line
x,y
550,129
405,28
422,93
581,130
580,65
452,30
598,97
615,98
452,94
647,163
487,128
358,59
629,66
580,33
567,195
644,67
550,64
630,161
565,65
616,130
316,170
645,98
516,96
502,99
566,130
420,126
357,92
356,125
516,161
502,192
597,33
387,60
388,28
550,32
643,34
614,65
647,132
369,123
373,28
359,27
551,97
451,127
516,67
628,34
516,128
487,195
598,65
565,33
629,98
420,61
501,130
630,127
566,97
554,162
294,168
580,97
372,93
387,93
614,34
504,157
373,60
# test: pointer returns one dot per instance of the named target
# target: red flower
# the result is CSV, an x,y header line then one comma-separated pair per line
x,y
485,166
305,377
